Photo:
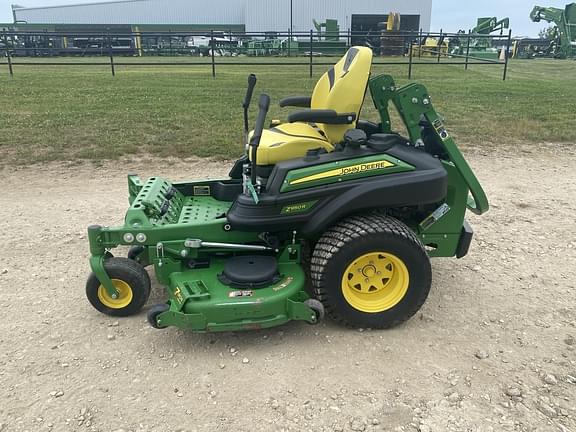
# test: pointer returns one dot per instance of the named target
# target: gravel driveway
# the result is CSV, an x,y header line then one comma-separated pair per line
x,y
494,348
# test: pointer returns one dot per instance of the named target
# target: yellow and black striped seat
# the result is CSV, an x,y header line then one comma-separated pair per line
x,y
342,90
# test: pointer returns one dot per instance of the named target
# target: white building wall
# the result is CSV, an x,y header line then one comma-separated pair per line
x,y
140,12
257,15
274,15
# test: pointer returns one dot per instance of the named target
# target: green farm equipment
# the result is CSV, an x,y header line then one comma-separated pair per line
x,y
271,45
325,213
563,43
327,40
487,26
480,43
264,47
328,30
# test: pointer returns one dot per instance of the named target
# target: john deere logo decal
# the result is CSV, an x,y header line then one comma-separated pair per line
x,y
365,167
346,171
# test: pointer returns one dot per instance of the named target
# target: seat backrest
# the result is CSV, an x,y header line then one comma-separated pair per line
x,y
343,88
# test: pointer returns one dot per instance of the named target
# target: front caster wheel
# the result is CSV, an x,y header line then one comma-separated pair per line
x,y
135,252
318,309
153,314
131,282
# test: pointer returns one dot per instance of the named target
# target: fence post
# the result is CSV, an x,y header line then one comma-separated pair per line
x,y
467,51
440,43
508,42
349,38
213,45
311,43
113,69
231,47
420,44
8,56
289,42
410,61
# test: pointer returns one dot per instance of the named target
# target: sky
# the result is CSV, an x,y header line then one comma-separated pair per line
x,y
449,15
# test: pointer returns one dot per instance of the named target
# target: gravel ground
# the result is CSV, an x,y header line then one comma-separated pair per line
x,y
493,349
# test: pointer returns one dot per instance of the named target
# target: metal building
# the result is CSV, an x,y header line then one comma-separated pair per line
x,y
354,15
137,12
249,15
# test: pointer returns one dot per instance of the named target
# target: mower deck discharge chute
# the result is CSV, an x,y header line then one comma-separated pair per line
x,y
326,213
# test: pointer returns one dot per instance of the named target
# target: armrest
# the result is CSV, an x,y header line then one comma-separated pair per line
x,y
322,116
296,101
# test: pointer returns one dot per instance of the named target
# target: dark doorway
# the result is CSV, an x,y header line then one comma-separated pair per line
x,y
366,23
367,29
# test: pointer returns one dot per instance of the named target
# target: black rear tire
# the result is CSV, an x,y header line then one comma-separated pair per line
x,y
132,282
334,264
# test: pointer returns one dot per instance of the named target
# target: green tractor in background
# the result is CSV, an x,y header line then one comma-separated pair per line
x,y
563,43
325,214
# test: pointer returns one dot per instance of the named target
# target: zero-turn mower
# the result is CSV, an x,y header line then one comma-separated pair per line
x,y
326,213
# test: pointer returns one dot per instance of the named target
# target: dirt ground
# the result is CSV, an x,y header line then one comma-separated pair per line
x,y
494,348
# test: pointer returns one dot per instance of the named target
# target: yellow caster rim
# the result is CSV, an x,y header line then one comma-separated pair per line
x,y
125,295
375,282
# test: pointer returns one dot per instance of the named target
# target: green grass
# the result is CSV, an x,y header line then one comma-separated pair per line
x,y
67,112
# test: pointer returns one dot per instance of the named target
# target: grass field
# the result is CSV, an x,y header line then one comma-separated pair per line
x,y
62,113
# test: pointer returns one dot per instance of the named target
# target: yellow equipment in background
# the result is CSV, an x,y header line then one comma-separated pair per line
x,y
390,43
430,47
393,22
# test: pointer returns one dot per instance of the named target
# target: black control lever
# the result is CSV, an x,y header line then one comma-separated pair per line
x,y
247,100
263,105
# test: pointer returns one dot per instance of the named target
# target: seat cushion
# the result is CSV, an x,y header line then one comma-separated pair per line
x,y
289,141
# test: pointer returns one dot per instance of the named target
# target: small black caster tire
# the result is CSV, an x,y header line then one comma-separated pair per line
x,y
318,309
132,283
135,252
153,314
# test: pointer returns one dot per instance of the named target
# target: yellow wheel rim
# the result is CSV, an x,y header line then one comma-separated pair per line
x,y
124,295
375,282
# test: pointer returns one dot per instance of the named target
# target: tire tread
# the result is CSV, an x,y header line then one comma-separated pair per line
x,y
344,233
129,269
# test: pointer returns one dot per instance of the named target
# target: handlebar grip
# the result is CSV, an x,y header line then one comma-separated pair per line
x,y
263,105
251,84
264,102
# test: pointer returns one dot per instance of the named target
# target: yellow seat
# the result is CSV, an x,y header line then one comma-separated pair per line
x,y
290,141
341,89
